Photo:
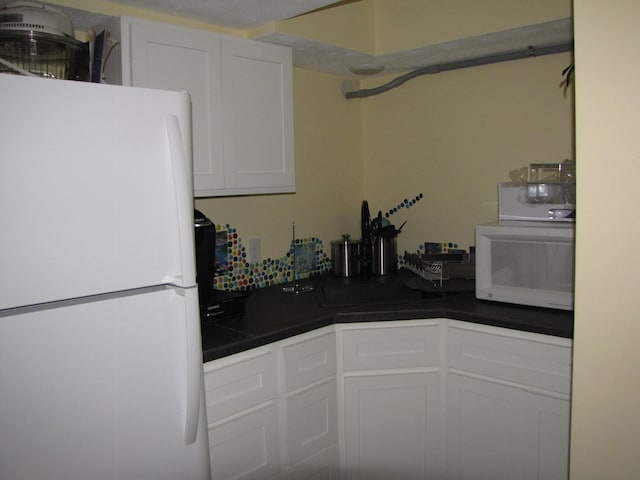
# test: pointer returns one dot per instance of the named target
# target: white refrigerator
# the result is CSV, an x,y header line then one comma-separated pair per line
x,y
100,349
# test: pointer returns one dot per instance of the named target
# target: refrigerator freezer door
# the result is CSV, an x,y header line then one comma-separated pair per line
x,y
98,390
95,189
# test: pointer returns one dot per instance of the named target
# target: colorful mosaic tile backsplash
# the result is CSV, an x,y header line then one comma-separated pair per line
x,y
235,273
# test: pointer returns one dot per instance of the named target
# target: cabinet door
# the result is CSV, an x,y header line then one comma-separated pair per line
x,y
173,58
321,466
246,447
392,426
311,421
502,432
258,117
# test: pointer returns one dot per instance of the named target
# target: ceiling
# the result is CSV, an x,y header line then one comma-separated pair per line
x,y
241,14
324,57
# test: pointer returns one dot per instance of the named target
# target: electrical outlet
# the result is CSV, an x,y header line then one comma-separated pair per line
x,y
253,255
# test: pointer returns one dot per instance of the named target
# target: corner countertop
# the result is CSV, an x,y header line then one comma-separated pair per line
x,y
270,315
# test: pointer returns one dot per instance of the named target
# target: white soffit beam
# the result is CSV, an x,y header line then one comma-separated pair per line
x,y
240,14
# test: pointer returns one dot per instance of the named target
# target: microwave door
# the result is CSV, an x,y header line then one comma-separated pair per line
x,y
529,266
536,265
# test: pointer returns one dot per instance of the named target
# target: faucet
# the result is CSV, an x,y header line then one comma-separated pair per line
x,y
365,241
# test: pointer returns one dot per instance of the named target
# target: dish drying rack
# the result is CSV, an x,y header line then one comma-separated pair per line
x,y
438,267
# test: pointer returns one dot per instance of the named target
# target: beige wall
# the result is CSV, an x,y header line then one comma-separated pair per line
x,y
453,136
606,379
427,22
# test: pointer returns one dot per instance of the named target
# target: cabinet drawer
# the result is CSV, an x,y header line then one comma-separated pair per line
x,y
309,361
231,387
526,358
390,347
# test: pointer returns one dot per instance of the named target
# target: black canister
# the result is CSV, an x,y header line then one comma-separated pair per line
x,y
205,236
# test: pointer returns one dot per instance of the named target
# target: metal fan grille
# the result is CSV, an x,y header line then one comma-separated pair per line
x,y
45,55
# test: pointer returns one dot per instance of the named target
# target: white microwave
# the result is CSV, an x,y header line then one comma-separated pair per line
x,y
528,263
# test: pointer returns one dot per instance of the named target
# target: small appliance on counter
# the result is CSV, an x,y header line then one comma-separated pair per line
x,y
539,192
439,267
527,258
527,263
214,304
222,305
205,237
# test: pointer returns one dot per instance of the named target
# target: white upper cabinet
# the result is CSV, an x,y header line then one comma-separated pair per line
x,y
172,58
258,117
242,101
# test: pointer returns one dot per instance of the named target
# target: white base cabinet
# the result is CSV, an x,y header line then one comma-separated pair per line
x,y
508,404
416,399
309,405
500,432
242,100
392,426
240,393
272,411
391,383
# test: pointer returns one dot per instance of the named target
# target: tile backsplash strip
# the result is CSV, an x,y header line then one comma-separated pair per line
x,y
235,273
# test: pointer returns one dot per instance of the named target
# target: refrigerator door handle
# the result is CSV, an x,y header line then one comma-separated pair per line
x,y
184,202
194,364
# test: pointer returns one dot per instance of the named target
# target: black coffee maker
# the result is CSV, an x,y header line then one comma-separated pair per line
x,y
205,235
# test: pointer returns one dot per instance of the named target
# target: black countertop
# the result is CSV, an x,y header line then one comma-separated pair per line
x,y
270,315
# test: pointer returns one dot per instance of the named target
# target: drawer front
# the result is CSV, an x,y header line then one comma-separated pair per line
x,y
526,359
233,387
391,347
309,361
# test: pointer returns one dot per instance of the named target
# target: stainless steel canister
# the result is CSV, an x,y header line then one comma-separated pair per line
x,y
385,255
344,257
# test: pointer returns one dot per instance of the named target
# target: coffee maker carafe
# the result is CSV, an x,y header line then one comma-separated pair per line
x,y
205,236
